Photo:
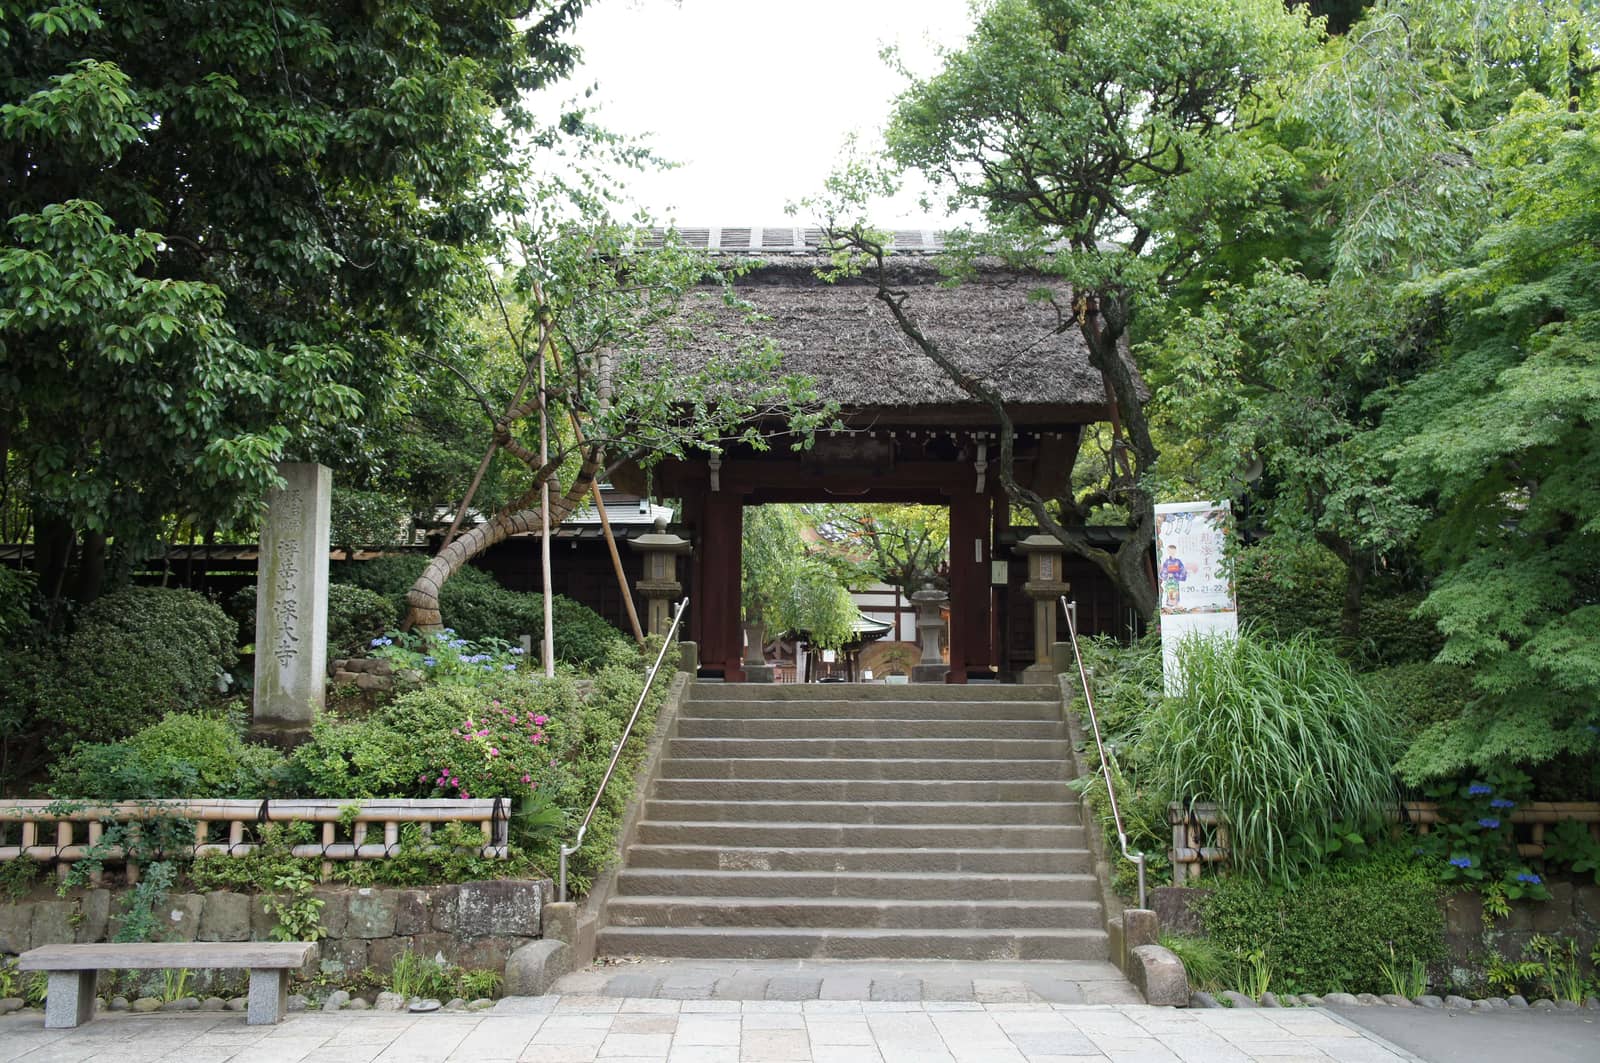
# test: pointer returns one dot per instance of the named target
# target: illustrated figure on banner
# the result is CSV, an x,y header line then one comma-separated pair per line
x,y
1173,574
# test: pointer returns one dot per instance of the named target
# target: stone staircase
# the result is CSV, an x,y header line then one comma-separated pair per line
x,y
856,821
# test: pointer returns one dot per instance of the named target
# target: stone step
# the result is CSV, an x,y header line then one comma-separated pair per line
x,y
890,730
856,790
857,835
947,692
838,748
907,885
835,708
883,812
827,912
680,767
875,860
853,944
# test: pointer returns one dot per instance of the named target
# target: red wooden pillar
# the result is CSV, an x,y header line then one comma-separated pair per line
x,y
717,568
970,599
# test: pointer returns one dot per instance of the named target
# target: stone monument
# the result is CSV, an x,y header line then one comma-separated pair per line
x,y
292,602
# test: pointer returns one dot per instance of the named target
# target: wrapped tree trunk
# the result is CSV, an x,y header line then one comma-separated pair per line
x,y
422,600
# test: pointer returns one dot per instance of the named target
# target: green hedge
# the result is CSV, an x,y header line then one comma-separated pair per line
x,y
132,657
1287,590
1332,931
477,607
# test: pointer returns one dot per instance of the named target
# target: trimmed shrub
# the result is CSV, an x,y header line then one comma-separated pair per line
x,y
356,616
181,756
477,607
360,758
1332,931
1420,693
133,657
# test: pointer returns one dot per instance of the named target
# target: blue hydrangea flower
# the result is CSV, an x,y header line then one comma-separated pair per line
x,y
517,651
1489,821
1530,878
1461,861
385,641
1501,802
1479,789
429,661
509,667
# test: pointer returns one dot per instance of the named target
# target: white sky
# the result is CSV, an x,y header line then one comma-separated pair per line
x,y
755,98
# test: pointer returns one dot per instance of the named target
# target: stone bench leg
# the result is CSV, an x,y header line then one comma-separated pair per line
x,y
269,996
71,999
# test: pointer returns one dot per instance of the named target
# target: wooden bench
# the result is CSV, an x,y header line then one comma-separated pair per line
x,y
72,970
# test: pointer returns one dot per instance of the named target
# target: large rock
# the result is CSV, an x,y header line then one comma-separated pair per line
x,y
507,907
226,917
94,912
1555,915
53,923
343,957
445,905
371,914
1159,975
411,912
532,969
1177,907
16,928
183,913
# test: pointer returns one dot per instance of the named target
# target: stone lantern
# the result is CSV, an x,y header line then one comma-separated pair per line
x,y
660,585
930,602
1046,587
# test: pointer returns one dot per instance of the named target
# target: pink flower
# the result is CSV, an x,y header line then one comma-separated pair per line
x,y
527,778
493,752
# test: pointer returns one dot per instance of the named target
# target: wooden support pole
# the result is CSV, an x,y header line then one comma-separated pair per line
x,y
616,558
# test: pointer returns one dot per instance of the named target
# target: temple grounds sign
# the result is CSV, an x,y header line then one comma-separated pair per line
x,y
1196,588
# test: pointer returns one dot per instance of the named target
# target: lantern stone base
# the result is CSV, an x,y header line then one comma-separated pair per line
x,y
758,673
1038,673
929,673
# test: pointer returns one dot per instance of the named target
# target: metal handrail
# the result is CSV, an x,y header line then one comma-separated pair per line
x,y
616,752
1137,859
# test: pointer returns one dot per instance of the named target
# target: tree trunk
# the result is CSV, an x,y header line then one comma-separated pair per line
x,y
422,600
1356,563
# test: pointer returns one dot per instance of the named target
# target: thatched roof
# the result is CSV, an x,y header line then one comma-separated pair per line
x,y
842,335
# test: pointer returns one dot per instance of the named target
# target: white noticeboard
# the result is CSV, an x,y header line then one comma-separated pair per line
x,y
1194,587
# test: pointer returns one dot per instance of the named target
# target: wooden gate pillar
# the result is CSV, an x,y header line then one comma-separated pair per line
x,y
718,555
970,551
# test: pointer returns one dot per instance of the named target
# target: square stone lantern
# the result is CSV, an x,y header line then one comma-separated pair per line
x,y
1046,587
660,586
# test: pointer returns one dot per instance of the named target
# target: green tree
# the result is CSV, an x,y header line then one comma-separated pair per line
x,y
1101,143
786,586
1497,443
228,230
904,546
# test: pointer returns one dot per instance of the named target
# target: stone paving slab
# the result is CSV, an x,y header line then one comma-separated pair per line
x,y
603,1029
1060,982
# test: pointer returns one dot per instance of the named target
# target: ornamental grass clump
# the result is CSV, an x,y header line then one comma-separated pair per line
x,y
1283,738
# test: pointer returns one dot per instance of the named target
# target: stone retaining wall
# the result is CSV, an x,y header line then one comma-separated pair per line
x,y
473,924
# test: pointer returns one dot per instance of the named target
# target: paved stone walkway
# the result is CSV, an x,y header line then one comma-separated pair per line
x,y
1038,981
614,1029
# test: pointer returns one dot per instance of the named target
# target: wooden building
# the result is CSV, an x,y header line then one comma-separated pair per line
x,y
911,434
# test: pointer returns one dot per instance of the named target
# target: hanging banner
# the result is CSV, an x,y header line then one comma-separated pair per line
x,y
1195,588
